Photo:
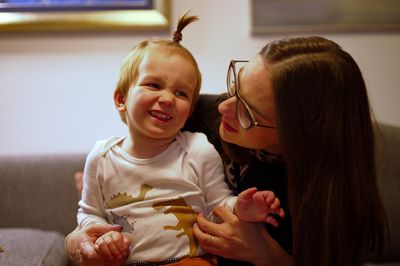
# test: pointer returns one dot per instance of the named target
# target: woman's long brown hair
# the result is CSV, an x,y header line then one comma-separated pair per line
x,y
325,131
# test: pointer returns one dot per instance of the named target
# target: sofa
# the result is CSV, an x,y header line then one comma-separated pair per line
x,y
38,202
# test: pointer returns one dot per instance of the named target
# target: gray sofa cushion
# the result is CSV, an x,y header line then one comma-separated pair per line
x,y
38,191
31,247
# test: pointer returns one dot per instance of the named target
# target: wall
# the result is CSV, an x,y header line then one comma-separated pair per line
x,y
56,89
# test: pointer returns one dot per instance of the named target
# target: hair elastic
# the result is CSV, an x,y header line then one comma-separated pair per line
x,y
177,37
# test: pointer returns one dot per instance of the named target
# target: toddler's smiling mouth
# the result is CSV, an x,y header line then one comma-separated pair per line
x,y
160,115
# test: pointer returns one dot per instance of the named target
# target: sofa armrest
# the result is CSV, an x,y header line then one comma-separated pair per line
x,y
38,191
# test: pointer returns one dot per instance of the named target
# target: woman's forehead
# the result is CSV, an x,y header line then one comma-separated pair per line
x,y
255,85
254,78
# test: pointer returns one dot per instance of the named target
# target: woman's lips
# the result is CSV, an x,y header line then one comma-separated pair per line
x,y
227,127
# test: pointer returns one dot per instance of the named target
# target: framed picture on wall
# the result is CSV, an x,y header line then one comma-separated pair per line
x,y
83,15
299,16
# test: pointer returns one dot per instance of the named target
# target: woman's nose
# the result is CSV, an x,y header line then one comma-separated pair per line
x,y
228,107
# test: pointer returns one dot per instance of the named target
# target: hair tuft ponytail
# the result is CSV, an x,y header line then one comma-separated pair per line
x,y
182,23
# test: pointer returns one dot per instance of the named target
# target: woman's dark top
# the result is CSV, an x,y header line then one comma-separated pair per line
x,y
256,170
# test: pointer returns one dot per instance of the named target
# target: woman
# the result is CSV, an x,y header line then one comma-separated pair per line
x,y
302,103
312,96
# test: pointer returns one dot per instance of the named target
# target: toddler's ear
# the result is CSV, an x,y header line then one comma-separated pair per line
x,y
119,101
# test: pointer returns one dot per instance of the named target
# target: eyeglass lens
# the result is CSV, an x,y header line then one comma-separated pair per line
x,y
243,114
241,111
231,81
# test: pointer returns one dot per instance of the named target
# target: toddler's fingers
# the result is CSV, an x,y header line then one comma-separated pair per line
x,y
122,243
275,204
281,213
270,198
102,248
271,220
248,193
117,239
276,208
112,242
114,250
88,251
126,243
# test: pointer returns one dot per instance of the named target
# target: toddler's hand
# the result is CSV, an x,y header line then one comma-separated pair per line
x,y
257,206
113,245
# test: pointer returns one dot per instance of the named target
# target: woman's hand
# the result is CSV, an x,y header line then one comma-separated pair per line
x,y
238,240
231,239
81,247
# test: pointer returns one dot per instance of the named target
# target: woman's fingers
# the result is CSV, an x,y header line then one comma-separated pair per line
x,y
207,233
214,238
212,228
209,243
225,214
202,236
203,229
232,238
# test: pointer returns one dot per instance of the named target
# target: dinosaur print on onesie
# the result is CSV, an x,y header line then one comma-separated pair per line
x,y
122,199
186,217
184,214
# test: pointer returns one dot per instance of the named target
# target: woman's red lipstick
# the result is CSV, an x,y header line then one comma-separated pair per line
x,y
227,127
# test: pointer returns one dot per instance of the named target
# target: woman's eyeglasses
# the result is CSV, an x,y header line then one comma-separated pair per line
x,y
244,115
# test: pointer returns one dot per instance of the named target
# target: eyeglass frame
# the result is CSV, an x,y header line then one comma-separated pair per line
x,y
254,122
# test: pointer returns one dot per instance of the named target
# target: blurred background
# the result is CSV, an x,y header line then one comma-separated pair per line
x,y
56,88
